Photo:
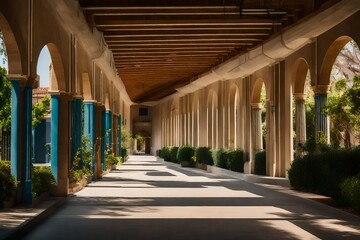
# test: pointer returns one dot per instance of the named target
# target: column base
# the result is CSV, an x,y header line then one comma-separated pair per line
x,y
27,192
62,188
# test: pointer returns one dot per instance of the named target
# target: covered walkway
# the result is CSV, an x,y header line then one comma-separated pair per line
x,y
147,199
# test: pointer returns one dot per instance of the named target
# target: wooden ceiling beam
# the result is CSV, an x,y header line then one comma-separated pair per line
x,y
185,22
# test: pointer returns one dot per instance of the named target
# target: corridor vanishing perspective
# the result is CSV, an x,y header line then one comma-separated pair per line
x,y
264,90
149,199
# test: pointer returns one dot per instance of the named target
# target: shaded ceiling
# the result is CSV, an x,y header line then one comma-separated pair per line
x,y
160,45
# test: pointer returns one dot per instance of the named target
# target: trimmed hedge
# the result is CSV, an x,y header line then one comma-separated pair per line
x,y
173,154
42,180
260,163
235,160
185,153
350,191
203,155
165,154
219,156
7,182
323,173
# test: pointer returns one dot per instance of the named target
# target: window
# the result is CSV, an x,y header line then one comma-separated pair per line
x,y
143,112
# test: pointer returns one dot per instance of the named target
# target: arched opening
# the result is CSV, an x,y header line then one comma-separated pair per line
x,y
259,120
5,100
233,105
10,53
41,105
303,106
195,122
59,129
212,120
174,118
343,57
259,115
143,142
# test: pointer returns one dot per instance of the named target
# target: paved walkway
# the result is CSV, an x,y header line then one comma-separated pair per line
x,y
145,199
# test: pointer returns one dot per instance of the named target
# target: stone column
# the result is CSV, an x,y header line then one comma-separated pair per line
x,y
103,138
76,129
257,127
109,131
321,119
300,122
21,137
27,146
60,142
90,130
119,135
15,115
54,134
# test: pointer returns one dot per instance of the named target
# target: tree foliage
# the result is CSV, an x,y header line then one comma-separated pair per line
x,y
5,100
3,54
343,108
39,111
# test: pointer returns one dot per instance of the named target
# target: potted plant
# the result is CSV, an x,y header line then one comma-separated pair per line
x,y
7,185
185,156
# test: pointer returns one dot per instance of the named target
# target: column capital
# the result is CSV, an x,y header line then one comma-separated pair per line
x,y
25,80
320,88
256,105
299,96
90,101
76,96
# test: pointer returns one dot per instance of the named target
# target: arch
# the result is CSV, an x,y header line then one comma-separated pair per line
x,y
195,121
233,104
87,93
329,59
57,74
174,122
256,92
107,101
212,119
12,48
299,73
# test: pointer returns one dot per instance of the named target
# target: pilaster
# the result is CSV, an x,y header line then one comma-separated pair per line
x,y
90,130
321,119
300,122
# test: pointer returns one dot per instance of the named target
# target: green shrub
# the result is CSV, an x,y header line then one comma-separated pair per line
x,y
124,153
165,154
185,153
42,180
158,152
7,182
260,163
219,156
323,172
235,160
203,155
350,190
173,154
111,159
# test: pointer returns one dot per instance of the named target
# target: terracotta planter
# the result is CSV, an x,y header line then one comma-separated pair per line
x,y
201,166
186,164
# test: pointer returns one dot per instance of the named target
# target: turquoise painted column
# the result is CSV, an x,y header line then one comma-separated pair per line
x,y
15,97
89,130
103,134
76,129
27,146
108,127
54,135
119,135
321,120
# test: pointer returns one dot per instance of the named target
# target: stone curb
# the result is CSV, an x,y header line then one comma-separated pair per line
x,y
27,226
246,177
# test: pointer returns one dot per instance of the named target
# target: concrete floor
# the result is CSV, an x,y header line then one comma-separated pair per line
x,y
144,199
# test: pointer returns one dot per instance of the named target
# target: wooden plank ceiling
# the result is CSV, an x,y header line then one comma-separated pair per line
x,y
160,45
